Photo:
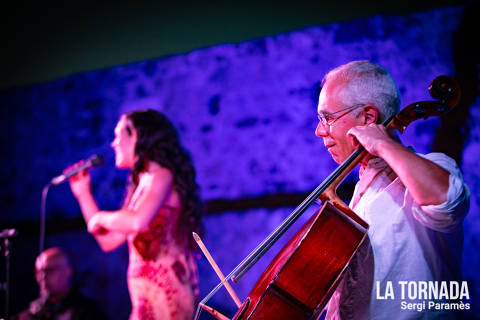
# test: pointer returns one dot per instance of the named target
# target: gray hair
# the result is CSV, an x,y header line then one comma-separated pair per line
x,y
367,83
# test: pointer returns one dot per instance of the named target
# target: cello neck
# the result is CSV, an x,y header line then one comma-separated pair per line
x,y
331,181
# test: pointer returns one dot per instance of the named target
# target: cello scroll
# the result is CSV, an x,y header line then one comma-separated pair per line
x,y
443,88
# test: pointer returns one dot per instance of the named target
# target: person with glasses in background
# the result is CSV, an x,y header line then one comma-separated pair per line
x,y
414,203
59,297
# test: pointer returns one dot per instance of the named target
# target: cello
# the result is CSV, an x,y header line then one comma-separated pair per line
x,y
323,248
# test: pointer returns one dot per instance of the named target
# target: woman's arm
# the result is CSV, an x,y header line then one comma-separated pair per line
x,y
155,188
80,185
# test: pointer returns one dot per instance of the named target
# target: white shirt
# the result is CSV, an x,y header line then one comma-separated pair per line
x,y
406,242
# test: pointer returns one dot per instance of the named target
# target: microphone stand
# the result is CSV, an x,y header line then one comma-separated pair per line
x,y
42,216
5,236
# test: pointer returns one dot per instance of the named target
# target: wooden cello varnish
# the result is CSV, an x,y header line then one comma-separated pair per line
x,y
314,269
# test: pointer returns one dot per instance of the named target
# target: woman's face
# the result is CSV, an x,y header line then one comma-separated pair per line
x,y
124,144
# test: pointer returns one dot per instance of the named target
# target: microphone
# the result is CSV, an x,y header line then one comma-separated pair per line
x,y
8,233
94,161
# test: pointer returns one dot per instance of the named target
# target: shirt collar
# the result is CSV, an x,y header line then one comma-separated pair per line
x,y
375,164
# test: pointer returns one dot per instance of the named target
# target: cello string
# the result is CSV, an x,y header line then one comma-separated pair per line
x,y
208,296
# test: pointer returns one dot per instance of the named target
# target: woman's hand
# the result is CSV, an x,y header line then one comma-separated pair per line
x,y
79,183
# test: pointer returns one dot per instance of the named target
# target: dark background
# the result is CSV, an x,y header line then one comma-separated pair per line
x,y
46,40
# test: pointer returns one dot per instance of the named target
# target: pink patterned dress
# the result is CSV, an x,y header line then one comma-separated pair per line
x,y
162,274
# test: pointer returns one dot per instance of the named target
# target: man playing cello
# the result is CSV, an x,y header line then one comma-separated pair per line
x,y
414,203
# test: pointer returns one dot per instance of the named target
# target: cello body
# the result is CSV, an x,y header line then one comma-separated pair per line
x,y
320,253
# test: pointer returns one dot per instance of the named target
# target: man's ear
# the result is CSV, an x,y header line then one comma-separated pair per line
x,y
370,114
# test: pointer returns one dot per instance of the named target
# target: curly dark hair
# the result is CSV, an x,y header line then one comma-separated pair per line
x,y
158,141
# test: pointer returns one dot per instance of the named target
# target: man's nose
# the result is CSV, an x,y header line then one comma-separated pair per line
x,y
321,130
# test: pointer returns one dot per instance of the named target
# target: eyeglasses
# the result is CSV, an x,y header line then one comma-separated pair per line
x,y
50,269
328,120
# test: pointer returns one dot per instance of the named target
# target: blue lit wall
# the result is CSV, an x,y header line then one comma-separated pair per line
x,y
246,112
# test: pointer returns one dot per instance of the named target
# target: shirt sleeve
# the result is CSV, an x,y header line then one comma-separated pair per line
x,y
448,215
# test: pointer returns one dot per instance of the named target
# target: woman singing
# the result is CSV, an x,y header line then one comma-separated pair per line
x,y
160,211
